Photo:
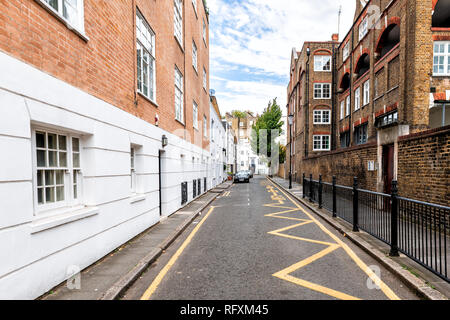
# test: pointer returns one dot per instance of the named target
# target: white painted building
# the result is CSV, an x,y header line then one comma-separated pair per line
x,y
217,145
108,189
231,147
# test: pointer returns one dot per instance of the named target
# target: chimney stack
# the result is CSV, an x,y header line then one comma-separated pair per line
x,y
335,37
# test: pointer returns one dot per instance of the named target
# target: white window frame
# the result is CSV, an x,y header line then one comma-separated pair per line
x,y
342,109
321,139
320,87
145,41
205,82
194,4
366,95
179,96
204,31
347,105
133,168
178,21
77,24
194,55
320,62
346,51
358,98
363,28
195,115
70,172
320,115
443,55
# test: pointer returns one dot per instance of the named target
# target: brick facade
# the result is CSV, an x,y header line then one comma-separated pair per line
x,y
391,67
102,60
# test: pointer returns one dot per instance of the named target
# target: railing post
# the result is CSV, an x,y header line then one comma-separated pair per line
x,y
355,205
320,191
311,188
334,197
304,186
394,220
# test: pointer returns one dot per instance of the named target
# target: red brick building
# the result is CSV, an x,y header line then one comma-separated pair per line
x,y
104,106
392,87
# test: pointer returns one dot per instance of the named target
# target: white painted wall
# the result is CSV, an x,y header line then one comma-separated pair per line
x,y
217,144
37,249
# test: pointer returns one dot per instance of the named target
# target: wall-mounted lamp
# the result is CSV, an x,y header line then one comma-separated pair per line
x,y
165,141
308,51
291,119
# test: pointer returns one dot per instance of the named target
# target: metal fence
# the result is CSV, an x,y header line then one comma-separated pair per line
x,y
418,229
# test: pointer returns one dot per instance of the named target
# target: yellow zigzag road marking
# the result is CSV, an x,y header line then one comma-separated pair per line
x,y
285,274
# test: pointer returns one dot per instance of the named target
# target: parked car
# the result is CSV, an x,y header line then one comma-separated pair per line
x,y
242,176
250,173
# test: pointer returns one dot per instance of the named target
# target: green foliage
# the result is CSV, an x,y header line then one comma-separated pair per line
x,y
269,120
239,114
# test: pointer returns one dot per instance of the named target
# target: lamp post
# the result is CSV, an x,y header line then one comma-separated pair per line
x,y
291,120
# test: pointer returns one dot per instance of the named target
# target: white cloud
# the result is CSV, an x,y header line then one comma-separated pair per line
x,y
256,37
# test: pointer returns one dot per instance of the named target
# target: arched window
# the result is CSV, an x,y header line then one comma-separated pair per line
x,y
363,65
345,82
441,15
389,39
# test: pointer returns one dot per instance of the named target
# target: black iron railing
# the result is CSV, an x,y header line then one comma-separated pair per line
x,y
418,229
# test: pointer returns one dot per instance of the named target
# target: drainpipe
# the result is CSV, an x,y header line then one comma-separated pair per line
x,y
308,53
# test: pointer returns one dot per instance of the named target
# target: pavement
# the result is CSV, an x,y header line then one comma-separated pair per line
x,y
256,242
109,277
423,282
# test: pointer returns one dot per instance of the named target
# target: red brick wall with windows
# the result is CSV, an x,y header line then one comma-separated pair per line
x,y
105,64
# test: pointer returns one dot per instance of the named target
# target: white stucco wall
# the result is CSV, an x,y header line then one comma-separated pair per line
x,y
36,249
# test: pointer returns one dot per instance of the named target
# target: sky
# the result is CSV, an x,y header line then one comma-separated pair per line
x,y
251,43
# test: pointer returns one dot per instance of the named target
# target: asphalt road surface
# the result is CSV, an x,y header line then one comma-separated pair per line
x,y
256,243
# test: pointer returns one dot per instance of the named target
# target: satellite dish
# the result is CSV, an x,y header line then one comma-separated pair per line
x,y
212,92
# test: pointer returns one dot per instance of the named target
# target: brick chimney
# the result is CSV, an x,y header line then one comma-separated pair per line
x,y
335,37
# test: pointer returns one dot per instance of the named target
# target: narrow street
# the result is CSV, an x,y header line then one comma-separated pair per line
x,y
255,242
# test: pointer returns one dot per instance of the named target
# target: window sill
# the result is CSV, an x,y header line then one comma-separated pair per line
x,y
42,224
179,43
148,99
69,26
180,122
137,198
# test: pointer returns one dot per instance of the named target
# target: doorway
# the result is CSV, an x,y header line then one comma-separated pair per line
x,y
388,167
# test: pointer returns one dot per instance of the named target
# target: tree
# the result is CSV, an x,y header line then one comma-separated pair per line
x,y
269,120
239,114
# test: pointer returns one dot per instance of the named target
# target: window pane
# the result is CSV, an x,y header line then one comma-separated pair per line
x,y
75,192
49,177
76,160
75,144
70,10
40,139
62,159
40,178
59,193
51,141
59,177
52,162
49,195
40,195
62,143
53,4
41,158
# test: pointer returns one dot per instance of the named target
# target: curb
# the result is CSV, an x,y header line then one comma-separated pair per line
x,y
418,285
121,285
